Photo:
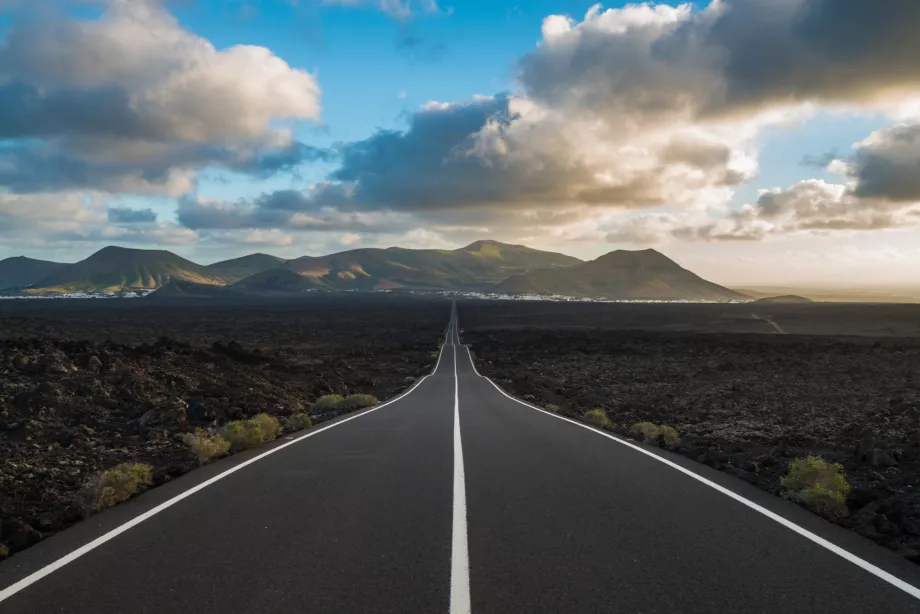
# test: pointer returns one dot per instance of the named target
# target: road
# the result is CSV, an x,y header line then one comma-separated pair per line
x,y
779,329
456,498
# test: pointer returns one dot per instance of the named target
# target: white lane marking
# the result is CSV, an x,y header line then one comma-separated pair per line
x,y
90,546
911,590
460,554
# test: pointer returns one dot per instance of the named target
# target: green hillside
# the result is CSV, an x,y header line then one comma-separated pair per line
x,y
238,269
641,275
114,269
476,266
276,281
21,272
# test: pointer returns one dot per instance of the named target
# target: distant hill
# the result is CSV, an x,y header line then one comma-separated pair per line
x,y
113,269
21,272
788,299
276,281
240,268
476,266
179,289
621,274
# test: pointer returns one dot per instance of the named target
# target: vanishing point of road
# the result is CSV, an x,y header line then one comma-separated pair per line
x,y
456,498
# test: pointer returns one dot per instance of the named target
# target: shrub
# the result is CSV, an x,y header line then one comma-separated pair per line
x,y
598,418
4,551
645,431
269,425
117,484
327,402
669,435
552,408
358,401
206,445
299,422
243,435
817,484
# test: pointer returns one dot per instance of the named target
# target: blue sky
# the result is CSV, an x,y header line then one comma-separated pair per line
x,y
564,126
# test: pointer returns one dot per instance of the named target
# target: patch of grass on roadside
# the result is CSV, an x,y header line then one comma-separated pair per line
x,y
818,484
597,417
358,401
243,435
328,402
117,484
270,426
299,422
669,435
650,432
247,434
645,431
206,446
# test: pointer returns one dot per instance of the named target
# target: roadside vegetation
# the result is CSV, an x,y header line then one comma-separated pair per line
x,y
115,485
206,446
598,418
818,484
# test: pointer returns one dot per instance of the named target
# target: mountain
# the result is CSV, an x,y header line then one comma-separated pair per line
x,y
20,272
786,299
240,268
276,281
622,274
113,269
476,266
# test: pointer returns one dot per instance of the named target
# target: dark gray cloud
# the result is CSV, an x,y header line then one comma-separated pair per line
x,y
132,101
732,58
126,215
887,165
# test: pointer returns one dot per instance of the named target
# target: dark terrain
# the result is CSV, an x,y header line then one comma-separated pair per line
x,y
86,385
744,403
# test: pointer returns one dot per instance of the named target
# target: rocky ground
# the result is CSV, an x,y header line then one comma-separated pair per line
x,y
86,385
746,404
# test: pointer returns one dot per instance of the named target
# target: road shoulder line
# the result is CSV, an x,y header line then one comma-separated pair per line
x,y
460,602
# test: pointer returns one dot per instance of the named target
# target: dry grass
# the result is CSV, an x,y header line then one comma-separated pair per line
x,y
818,484
117,484
328,402
299,422
206,446
597,417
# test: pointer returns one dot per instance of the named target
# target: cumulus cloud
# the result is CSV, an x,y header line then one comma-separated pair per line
x,y
56,220
132,101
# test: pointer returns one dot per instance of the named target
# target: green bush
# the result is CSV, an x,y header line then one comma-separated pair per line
x,y
117,484
328,402
552,408
4,551
358,401
817,484
669,435
243,435
299,422
269,425
598,418
645,431
206,446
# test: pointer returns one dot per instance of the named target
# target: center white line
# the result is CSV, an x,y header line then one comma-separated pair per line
x,y
460,555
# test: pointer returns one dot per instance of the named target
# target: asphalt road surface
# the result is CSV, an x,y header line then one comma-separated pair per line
x,y
456,498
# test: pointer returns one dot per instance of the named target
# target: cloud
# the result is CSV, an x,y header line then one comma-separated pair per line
x,y
132,100
734,57
887,164
125,215
55,220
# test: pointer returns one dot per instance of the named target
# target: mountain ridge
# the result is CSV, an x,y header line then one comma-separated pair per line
x,y
622,274
483,266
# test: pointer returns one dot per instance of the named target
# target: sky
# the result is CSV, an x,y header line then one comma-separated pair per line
x,y
756,142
